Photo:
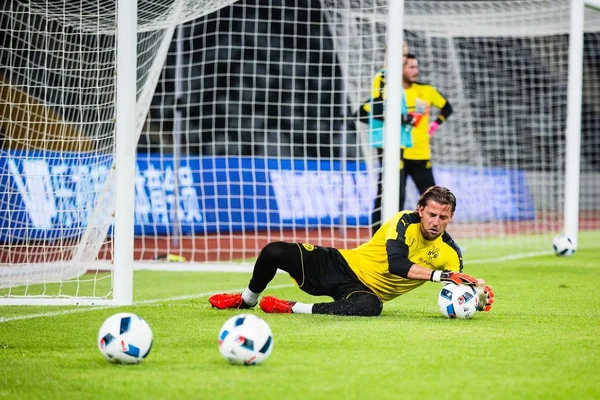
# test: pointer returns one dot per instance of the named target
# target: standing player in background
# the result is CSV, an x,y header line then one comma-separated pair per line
x,y
372,113
420,97
408,250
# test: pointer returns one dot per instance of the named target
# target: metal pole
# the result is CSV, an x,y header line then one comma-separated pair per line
x,y
125,151
392,126
177,132
573,134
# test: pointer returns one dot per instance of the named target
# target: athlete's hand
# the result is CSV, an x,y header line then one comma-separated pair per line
x,y
454,277
433,127
486,297
412,119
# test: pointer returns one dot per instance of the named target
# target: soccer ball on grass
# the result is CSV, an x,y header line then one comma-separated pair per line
x,y
458,301
563,245
125,338
245,339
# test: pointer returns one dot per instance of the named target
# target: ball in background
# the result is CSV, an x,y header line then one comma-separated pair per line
x,y
563,245
245,339
125,338
458,301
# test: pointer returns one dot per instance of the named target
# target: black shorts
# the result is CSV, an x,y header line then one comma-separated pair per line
x,y
421,173
326,273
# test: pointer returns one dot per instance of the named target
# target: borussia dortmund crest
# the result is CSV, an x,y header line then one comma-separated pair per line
x,y
308,246
433,253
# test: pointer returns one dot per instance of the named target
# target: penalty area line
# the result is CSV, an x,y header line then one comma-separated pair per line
x,y
136,303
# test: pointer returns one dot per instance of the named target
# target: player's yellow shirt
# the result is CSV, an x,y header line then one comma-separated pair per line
x,y
398,238
419,99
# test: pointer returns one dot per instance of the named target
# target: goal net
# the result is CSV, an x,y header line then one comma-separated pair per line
x,y
249,130
57,126
258,108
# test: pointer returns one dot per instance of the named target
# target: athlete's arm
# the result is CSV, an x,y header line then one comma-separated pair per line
x,y
377,96
400,264
374,107
439,101
418,272
398,261
445,112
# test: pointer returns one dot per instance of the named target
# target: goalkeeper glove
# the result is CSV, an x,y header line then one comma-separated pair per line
x,y
412,119
454,277
433,127
486,297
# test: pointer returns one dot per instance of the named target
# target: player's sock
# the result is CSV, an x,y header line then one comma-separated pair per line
x,y
302,308
250,298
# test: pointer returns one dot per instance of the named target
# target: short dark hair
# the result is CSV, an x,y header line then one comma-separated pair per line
x,y
440,195
411,56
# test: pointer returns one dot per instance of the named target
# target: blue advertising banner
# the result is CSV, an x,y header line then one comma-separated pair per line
x,y
229,194
483,194
50,195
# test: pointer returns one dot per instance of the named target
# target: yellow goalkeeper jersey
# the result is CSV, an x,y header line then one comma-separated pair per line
x,y
400,236
419,99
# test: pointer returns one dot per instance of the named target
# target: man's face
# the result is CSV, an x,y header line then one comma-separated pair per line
x,y
434,219
411,71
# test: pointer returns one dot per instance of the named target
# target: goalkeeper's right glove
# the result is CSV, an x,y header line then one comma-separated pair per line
x,y
412,119
454,277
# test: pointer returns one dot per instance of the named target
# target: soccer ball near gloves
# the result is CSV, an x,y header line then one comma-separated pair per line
x,y
125,338
563,245
245,339
458,301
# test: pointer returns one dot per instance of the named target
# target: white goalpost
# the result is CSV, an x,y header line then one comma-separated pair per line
x,y
186,134
125,145
573,131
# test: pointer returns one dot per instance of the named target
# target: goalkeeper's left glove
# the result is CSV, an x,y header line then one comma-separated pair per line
x,y
486,297
433,127
454,277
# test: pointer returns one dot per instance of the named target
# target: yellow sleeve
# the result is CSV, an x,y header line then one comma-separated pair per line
x,y
376,91
436,98
376,85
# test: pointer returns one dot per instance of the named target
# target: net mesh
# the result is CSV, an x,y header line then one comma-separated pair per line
x,y
249,130
283,83
57,111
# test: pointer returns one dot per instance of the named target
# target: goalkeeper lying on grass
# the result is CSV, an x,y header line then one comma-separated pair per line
x,y
411,248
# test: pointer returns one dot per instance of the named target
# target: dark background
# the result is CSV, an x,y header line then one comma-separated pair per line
x,y
248,92
259,80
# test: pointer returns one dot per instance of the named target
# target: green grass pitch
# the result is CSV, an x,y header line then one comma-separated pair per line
x,y
539,341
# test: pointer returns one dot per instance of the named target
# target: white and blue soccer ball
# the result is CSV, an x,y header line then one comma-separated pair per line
x,y
458,301
125,338
245,339
563,245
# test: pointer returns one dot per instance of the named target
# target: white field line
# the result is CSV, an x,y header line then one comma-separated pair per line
x,y
137,303
248,267
232,269
508,258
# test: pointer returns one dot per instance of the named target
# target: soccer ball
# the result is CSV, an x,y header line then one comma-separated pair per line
x,y
245,339
563,245
125,338
458,301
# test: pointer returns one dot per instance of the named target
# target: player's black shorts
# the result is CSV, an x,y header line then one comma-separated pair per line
x,y
421,173
326,273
